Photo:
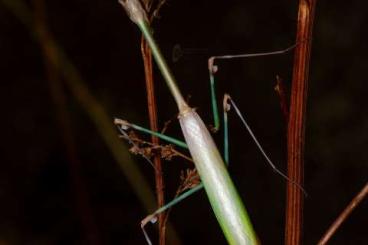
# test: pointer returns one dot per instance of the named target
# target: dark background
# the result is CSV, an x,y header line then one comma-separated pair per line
x,y
37,204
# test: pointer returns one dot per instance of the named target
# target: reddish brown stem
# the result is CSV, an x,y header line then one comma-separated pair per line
x,y
344,215
152,111
296,123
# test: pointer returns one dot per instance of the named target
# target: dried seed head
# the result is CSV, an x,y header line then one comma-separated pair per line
x,y
134,10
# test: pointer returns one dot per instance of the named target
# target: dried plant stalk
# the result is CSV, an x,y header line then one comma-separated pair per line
x,y
152,112
296,123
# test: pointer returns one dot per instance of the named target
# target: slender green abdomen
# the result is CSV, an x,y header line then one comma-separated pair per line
x,y
224,199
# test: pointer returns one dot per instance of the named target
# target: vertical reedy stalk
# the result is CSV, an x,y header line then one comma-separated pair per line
x,y
152,112
296,123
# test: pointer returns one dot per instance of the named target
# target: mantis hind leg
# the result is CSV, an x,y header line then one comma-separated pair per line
x,y
212,69
228,102
123,126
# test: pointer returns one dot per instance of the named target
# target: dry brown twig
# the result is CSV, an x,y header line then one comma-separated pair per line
x,y
344,215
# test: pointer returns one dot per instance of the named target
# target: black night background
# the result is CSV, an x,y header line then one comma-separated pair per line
x,y
47,199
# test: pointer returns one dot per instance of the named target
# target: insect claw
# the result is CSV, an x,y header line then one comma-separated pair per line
x,y
226,104
211,67
153,220
212,128
124,125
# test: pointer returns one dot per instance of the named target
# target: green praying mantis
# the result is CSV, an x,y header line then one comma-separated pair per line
x,y
215,179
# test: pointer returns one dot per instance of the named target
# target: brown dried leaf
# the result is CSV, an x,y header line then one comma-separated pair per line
x,y
189,179
167,152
